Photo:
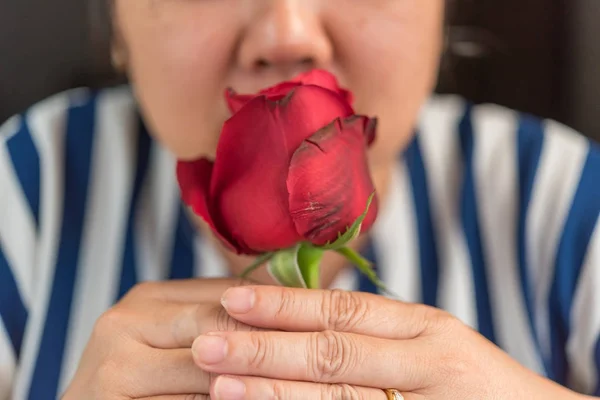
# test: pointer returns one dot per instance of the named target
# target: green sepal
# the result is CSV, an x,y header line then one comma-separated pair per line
x,y
365,267
309,260
284,268
260,260
352,232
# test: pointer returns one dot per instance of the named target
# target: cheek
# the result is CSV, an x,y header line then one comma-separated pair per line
x,y
178,66
391,61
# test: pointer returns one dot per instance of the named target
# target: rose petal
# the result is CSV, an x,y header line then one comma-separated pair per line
x,y
248,184
316,77
329,181
280,90
306,110
236,101
370,130
253,155
325,79
194,182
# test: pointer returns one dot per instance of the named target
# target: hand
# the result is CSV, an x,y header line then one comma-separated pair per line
x,y
343,345
140,348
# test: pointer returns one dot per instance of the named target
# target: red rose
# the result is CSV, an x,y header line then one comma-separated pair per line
x,y
290,167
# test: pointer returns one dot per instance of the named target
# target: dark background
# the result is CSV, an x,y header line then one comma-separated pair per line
x,y
537,56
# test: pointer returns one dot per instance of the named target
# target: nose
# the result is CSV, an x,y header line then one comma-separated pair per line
x,y
287,36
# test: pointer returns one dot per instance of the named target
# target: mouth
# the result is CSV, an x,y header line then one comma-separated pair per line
x,y
278,91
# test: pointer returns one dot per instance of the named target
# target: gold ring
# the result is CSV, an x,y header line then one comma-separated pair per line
x,y
393,394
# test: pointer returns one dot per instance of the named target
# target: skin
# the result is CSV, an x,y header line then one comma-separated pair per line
x,y
180,58
338,345
161,342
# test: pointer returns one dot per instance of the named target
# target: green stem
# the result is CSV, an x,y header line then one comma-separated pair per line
x,y
365,267
260,260
309,260
284,268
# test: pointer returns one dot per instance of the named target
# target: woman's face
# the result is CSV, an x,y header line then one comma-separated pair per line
x,y
182,54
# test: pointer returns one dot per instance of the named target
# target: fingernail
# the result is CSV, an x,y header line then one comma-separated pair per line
x,y
238,300
210,349
229,389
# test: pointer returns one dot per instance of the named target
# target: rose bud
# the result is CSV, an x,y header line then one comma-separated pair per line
x,y
290,179
290,167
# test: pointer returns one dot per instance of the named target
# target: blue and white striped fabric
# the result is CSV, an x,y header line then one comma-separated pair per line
x,y
492,215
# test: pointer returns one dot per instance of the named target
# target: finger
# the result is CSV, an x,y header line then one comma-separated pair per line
x,y
187,290
178,397
168,325
178,325
324,357
303,310
168,372
241,387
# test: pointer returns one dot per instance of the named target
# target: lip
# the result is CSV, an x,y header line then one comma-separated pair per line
x,y
313,77
269,82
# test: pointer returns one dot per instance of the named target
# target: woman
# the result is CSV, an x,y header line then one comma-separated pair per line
x,y
486,214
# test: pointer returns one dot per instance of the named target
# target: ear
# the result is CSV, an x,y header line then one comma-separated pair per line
x,y
118,56
118,50
106,40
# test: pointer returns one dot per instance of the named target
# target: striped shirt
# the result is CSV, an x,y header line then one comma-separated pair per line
x,y
492,215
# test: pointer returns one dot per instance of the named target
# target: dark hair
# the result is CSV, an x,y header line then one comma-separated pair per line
x,y
99,12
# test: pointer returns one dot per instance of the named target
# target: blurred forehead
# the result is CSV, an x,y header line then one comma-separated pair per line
x,y
254,8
